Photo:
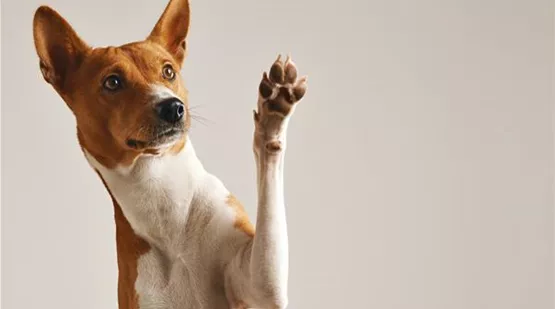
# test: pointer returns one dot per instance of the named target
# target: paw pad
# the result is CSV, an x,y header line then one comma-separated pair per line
x,y
280,89
276,71
266,87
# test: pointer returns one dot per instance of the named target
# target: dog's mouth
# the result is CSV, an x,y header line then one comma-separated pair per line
x,y
164,137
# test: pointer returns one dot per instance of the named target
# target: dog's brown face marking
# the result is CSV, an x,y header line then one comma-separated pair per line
x,y
116,125
112,90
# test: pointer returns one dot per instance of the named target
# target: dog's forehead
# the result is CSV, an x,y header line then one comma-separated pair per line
x,y
145,51
138,55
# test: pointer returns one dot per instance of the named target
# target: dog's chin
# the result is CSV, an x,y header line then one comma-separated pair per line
x,y
162,140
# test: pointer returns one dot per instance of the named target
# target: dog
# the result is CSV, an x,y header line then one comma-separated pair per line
x,y
183,240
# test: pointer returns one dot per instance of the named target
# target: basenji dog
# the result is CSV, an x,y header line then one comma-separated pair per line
x,y
183,240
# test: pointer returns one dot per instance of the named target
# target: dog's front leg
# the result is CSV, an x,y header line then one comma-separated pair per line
x,y
265,259
269,257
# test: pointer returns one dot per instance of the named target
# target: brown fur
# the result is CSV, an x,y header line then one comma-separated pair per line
x,y
105,125
172,28
129,248
242,221
177,147
107,121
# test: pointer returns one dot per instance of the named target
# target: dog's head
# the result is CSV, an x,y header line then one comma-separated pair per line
x,y
128,100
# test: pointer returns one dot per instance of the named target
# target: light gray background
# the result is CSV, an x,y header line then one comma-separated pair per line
x,y
419,173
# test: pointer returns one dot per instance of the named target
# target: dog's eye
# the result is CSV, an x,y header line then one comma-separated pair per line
x,y
112,83
168,72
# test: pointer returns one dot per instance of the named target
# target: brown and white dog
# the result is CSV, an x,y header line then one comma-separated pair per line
x,y
183,240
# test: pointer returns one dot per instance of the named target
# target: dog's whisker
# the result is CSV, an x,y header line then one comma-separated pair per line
x,y
197,106
202,119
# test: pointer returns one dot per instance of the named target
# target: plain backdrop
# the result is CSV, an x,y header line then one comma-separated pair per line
x,y
419,170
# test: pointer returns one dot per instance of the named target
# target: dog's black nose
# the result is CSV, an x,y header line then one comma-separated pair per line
x,y
170,110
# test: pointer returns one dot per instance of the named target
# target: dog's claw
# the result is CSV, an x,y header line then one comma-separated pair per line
x,y
255,115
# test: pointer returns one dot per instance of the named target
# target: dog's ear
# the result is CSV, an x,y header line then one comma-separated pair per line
x,y
172,27
58,46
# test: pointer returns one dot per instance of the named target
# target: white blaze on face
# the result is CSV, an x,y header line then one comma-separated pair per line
x,y
160,93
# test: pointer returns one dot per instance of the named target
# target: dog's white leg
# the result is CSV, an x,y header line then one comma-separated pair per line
x,y
257,276
267,254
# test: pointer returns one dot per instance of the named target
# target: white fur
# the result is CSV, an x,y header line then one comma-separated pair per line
x,y
180,209
198,259
161,92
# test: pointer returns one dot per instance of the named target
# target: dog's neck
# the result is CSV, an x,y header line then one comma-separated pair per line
x,y
156,193
184,163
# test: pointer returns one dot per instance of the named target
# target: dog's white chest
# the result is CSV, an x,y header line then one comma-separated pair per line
x,y
155,194
185,222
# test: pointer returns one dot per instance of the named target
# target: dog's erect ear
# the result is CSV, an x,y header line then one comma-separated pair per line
x,y
172,27
59,48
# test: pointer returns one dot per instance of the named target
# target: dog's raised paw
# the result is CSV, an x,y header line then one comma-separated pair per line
x,y
278,93
280,90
